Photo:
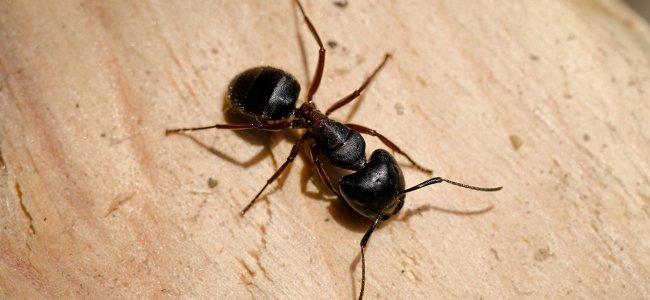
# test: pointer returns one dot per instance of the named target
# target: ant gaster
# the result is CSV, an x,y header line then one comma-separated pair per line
x,y
375,190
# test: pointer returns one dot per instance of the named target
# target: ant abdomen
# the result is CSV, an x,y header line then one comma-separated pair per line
x,y
375,188
264,92
344,147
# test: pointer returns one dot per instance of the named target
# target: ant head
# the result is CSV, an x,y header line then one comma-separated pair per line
x,y
376,187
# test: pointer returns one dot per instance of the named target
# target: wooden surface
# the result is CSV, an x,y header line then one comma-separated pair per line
x,y
547,98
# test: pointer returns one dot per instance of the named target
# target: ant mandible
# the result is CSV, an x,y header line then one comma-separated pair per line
x,y
375,190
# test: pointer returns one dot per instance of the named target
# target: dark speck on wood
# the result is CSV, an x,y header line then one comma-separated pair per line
x,y
341,3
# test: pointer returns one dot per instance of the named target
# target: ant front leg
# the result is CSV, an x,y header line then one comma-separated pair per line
x,y
294,152
364,242
347,99
318,75
315,156
262,125
387,142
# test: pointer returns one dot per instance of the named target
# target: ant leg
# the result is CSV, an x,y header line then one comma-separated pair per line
x,y
315,156
294,152
256,125
364,241
321,56
387,142
347,99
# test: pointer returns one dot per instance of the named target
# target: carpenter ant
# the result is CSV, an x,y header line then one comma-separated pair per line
x,y
375,190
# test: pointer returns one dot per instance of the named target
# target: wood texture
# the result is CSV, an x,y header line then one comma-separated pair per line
x,y
547,98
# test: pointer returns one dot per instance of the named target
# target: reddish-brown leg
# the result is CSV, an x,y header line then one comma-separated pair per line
x,y
294,152
321,56
387,142
347,99
256,125
315,156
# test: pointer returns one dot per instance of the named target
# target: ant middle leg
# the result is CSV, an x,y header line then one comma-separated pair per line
x,y
347,99
262,125
315,156
387,142
294,152
318,75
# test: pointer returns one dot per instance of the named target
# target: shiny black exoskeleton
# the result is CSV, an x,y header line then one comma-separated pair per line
x,y
344,147
375,189
264,92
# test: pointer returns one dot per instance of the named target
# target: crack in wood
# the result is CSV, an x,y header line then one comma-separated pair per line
x,y
247,280
2,161
196,215
260,249
116,205
19,192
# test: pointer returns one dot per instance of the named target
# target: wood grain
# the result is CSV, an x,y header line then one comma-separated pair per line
x,y
547,98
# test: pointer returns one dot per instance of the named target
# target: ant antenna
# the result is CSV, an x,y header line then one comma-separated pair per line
x,y
364,242
435,180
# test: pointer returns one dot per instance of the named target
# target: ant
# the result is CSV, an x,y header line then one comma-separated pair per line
x,y
375,189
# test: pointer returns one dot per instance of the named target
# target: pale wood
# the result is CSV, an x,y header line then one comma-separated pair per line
x,y
547,98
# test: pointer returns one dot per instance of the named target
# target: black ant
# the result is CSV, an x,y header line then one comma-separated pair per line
x,y
375,190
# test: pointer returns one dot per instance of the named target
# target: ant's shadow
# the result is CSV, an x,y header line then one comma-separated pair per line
x,y
252,137
340,211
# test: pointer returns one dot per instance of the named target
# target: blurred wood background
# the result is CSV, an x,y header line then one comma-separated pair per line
x,y
547,98
642,7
